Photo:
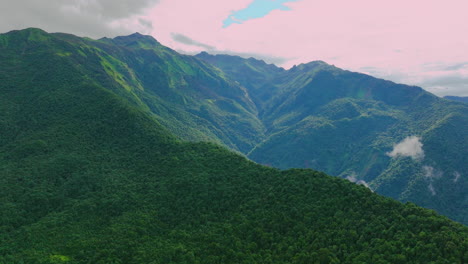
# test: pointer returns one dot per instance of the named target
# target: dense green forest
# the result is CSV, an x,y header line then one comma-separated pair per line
x,y
345,123
89,174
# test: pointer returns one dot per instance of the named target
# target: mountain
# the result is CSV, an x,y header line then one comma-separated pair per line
x,y
463,99
346,124
313,115
192,99
90,174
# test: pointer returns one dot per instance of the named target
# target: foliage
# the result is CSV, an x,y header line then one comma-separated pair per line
x,y
89,175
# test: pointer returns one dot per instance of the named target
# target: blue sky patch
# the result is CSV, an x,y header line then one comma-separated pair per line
x,y
256,9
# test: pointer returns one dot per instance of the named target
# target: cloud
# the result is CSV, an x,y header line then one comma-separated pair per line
x,y
256,9
431,189
146,23
450,84
92,18
353,178
213,50
457,66
188,41
439,78
457,176
409,147
360,33
430,174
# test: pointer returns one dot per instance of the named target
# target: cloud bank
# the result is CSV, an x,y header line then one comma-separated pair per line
x,y
410,147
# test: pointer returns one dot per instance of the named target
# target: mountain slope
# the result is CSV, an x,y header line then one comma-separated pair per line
x,y
345,124
88,175
192,99
257,76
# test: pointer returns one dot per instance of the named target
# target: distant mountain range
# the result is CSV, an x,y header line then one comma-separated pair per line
x,y
99,161
463,99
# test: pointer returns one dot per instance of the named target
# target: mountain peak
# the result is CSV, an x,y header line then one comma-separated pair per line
x,y
31,33
137,34
137,40
33,30
312,65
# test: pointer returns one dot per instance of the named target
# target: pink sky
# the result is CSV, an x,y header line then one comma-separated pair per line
x,y
420,42
407,41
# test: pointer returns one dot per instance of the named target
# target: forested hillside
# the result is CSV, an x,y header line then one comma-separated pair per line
x,y
311,116
89,173
399,140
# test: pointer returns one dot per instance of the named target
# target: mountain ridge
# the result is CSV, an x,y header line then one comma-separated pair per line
x,y
463,99
89,174
315,116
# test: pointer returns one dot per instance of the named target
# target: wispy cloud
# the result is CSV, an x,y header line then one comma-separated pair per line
x,y
409,147
430,174
188,41
457,176
353,178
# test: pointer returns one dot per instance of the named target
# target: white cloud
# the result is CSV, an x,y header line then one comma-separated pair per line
x,y
457,176
431,189
353,178
409,147
430,174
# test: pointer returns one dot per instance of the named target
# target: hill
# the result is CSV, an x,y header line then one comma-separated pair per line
x,y
89,175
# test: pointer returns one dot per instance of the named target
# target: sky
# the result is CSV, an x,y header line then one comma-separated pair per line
x,y
416,42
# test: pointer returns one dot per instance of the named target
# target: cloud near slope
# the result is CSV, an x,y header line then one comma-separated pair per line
x,y
408,147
